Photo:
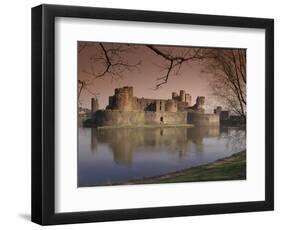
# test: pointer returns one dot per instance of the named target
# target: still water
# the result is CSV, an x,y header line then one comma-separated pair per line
x,y
118,155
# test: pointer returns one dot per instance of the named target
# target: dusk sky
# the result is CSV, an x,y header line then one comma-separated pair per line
x,y
143,79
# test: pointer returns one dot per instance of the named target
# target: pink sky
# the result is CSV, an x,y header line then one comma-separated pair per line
x,y
191,79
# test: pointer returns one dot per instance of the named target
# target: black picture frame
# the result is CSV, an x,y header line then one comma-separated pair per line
x,y
43,114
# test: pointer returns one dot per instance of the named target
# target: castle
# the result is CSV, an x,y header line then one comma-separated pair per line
x,y
126,109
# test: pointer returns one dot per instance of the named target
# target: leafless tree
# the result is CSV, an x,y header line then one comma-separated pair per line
x,y
109,61
227,77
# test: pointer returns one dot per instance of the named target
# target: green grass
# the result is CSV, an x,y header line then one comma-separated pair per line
x,y
229,168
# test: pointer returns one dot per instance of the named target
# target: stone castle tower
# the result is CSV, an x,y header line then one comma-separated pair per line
x,y
126,109
94,105
183,97
122,99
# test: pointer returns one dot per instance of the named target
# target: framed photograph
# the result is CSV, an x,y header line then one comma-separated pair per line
x,y
142,114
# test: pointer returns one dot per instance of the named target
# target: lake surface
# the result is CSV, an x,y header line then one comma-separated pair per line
x,y
118,155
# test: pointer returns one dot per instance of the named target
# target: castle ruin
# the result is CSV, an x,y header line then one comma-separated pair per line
x,y
126,109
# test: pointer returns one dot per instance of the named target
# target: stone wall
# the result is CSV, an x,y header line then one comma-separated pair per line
x,y
144,104
118,117
171,106
165,117
200,119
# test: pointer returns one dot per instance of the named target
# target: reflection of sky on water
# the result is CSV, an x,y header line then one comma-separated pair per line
x,y
118,155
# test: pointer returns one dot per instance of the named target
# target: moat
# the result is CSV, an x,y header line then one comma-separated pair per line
x,y
110,156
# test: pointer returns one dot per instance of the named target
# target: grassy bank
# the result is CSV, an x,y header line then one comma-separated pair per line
x,y
229,168
146,126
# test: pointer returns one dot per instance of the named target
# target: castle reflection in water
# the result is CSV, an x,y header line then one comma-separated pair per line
x,y
124,143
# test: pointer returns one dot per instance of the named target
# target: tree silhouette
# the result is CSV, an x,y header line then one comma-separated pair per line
x,y
227,78
225,68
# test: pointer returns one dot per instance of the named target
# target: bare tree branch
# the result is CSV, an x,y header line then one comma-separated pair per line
x,y
228,81
226,68
111,61
174,61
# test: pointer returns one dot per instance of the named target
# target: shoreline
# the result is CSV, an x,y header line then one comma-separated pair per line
x,y
232,167
146,126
